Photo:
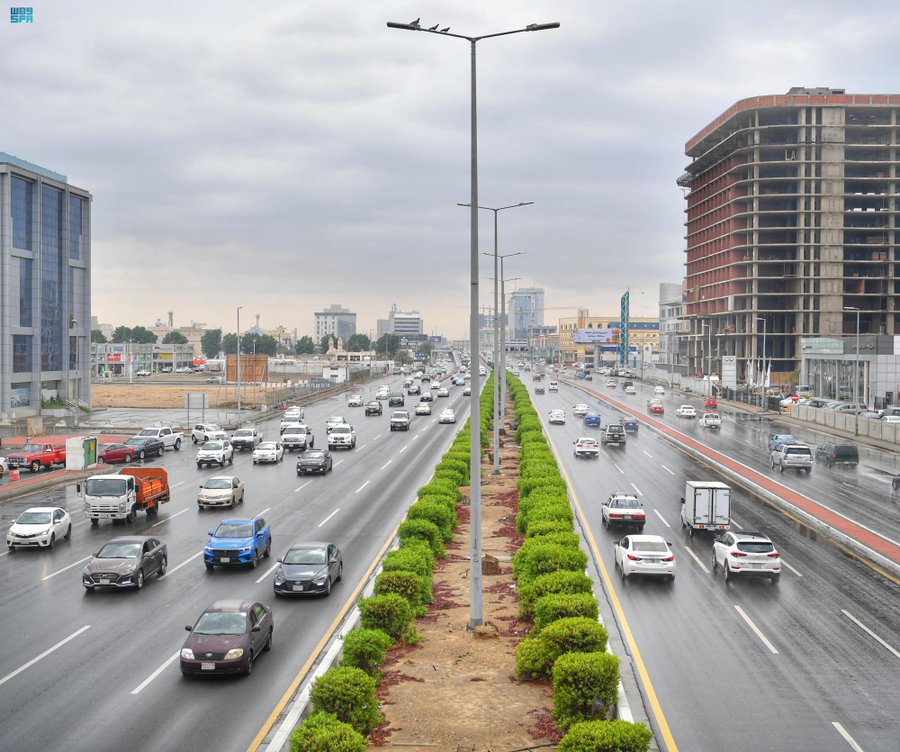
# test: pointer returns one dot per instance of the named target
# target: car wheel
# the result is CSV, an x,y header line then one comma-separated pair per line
x,y
88,589
199,465
773,464
268,645
249,669
209,567
163,566
159,452
35,466
95,523
194,439
233,502
127,458
177,445
231,459
222,463
139,582
714,563
68,535
255,561
340,576
52,540
327,587
141,454
241,500
726,571
268,552
775,578
781,468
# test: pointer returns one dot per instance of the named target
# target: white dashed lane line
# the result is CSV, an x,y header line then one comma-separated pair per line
x,y
156,673
869,632
171,516
756,630
694,557
405,446
362,486
300,488
636,489
847,738
386,464
64,569
184,563
662,519
329,517
57,646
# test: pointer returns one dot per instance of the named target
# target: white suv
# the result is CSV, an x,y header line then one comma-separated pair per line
x,y
215,453
746,554
342,436
203,432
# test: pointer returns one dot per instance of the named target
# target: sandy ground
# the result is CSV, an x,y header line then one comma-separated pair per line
x,y
147,394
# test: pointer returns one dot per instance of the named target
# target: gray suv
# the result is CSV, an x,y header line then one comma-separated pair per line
x,y
797,456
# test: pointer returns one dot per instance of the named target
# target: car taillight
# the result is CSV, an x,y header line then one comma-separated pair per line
x,y
773,554
634,558
736,553
638,514
670,557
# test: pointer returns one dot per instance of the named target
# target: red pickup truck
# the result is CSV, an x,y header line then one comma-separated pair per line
x,y
36,456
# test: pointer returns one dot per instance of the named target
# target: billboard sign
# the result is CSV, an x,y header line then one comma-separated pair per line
x,y
596,336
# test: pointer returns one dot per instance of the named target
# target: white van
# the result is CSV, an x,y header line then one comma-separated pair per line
x,y
553,386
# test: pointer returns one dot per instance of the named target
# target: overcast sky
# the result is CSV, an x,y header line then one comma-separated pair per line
x,y
287,155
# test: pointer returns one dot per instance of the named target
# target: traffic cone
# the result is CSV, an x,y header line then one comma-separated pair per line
x,y
13,474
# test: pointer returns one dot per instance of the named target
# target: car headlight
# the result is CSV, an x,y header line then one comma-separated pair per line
x,y
207,550
234,653
245,548
187,654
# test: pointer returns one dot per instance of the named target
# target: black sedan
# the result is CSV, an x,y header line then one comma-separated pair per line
x,y
227,638
374,408
314,461
126,562
309,568
146,446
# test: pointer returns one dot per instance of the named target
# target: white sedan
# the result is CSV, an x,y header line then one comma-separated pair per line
x,y
423,408
355,400
268,451
585,446
580,410
447,416
631,389
557,416
644,554
39,527
686,411
658,390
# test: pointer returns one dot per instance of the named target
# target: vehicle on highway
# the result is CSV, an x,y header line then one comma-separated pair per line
x,y
553,386
343,436
746,554
890,419
686,411
611,383
355,400
126,562
227,638
655,407
413,389
838,453
110,453
294,414
203,432
220,491
586,446
780,438
146,446
297,437
423,408
623,509
580,410
142,372
383,393
459,381
121,495
710,403
374,408
706,505
644,555
334,420
170,438
314,461
557,416
238,541
629,423
215,380
797,456
850,407
613,434
426,397
592,419
447,416
309,568
710,420
400,420
268,451
659,390
467,391
630,389
37,456
539,389
246,438
396,399
39,527
215,453
443,392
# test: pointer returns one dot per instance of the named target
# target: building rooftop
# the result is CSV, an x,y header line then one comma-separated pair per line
x,y
31,167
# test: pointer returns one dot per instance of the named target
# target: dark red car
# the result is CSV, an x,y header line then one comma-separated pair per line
x,y
656,408
711,403
110,453
227,638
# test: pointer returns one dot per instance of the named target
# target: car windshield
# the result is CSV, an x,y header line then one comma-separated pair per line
x,y
221,623
213,445
335,419
625,504
243,432
267,445
105,487
218,483
149,432
234,530
756,547
650,547
305,556
137,440
120,550
341,429
29,448
34,518
313,454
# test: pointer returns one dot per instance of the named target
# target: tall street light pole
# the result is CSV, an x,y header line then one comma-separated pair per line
x,y
762,378
503,280
237,350
475,583
497,411
856,372
708,328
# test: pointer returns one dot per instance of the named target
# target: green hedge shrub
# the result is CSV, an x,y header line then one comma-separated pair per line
x,y
554,606
606,736
536,557
349,694
563,581
536,654
549,510
390,613
414,555
548,527
443,485
323,732
440,514
547,479
585,687
365,648
422,530
404,583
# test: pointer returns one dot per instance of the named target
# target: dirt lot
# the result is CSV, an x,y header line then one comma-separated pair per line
x,y
456,690
148,394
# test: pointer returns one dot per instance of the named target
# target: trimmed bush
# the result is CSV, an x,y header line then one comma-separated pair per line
x,y
531,658
390,613
548,527
546,511
531,561
365,648
571,635
349,694
563,581
606,736
422,530
585,687
415,555
563,538
445,484
404,583
459,465
554,606
323,732
440,514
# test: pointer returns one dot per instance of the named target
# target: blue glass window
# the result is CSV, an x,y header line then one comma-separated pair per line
x,y
21,353
21,213
76,216
51,279
25,297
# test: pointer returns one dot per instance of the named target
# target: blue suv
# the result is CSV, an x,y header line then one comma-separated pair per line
x,y
238,542
592,419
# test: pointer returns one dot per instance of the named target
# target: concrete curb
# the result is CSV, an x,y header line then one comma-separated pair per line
x,y
65,478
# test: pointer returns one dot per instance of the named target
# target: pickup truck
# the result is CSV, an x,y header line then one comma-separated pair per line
x,y
170,438
797,456
36,456
120,496
246,438
710,420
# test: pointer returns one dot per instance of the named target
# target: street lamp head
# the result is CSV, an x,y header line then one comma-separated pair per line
x,y
542,27
407,27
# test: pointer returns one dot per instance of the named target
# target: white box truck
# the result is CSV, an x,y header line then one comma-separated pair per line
x,y
706,505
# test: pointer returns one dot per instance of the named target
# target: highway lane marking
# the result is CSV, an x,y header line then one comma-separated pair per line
x,y
43,655
329,517
647,453
416,436
359,449
695,558
636,490
267,572
175,569
667,470
735,523
258,514
661,518
621,471
756,630
362,486
403,449
847,738
785,564
303,486
386,464
377,437
179,483
863,627
156,673
171,516
59,571
337,463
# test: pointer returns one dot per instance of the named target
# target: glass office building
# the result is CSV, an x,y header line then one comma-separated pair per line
x,y
45,290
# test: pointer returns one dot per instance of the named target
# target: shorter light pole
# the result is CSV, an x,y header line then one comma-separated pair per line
x,y
503,384
856,373
237,350
708,328
762,378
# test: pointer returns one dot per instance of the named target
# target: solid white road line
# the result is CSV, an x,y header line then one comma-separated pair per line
x,y
329,517
667,470
59,571
756,630
44,654
267,573
175,569
663,519
405,446
785,564
847,738
636,490
362,486
168,518
156,673
863,627
300,488
694,557
386,464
